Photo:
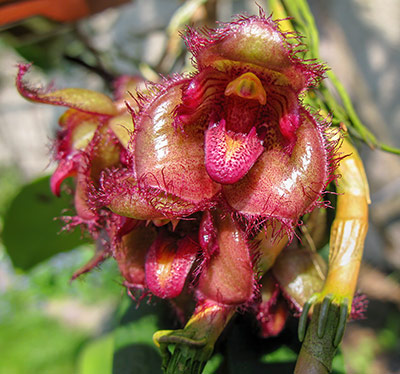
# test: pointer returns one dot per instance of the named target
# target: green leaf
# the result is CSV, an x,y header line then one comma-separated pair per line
x,y
30,340
96,357
134,350
31,234
213,364
283,354
129,349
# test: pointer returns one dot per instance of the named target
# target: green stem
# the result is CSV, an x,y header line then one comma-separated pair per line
x,y
192,347
317,352
311,26
186,360
367,135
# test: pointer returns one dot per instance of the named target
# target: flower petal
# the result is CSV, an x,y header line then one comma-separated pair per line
x,y
66,168
272,311
284,186
77,98
130,254
229,155
229,276
119,192
256,43
168,263
122,126
170,161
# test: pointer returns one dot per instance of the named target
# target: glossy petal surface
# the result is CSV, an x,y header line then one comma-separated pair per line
x,y
229,277
169,160
168,263
282,186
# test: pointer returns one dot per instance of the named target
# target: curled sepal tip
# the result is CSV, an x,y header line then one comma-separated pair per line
x,y
77,98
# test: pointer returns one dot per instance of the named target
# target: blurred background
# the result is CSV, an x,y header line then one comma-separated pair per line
x,y
359,40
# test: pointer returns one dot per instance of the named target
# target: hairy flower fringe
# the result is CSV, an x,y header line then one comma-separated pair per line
x,y
197,41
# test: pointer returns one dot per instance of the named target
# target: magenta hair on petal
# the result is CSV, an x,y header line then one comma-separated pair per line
x,y
125,85
119,191
359,306
256,44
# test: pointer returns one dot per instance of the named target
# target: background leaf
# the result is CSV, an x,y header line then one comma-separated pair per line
x,y
134,350
96,356
31,234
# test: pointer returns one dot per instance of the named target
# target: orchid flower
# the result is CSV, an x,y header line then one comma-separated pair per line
x,y
200,182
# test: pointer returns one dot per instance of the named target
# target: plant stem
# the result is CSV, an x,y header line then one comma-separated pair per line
x,y
193,346
317,353
186,360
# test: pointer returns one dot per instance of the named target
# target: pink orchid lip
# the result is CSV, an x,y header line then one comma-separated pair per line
x,y
232,144
229,155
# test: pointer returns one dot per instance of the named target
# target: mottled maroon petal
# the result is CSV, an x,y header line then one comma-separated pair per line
x,y
229,155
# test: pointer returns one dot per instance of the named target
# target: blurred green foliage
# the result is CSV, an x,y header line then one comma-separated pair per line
x,y
31,232
33,339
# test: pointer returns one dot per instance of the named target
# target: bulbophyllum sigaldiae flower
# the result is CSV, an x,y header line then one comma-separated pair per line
x,y
198,184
